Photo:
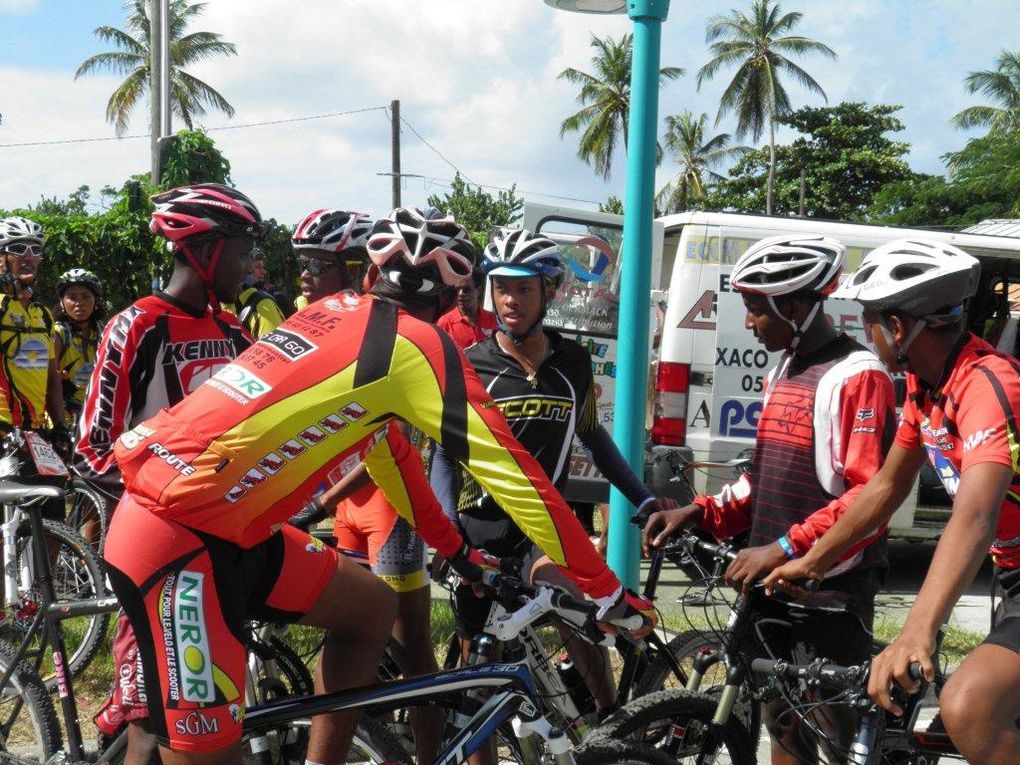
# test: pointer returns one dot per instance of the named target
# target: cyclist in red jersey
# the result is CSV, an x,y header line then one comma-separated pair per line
x,y
211,482
150,356
827,420
961,409
468,322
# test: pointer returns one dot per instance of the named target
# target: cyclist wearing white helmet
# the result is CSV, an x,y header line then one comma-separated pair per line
x,y
329,245
827,420
963,399
29,379
543,385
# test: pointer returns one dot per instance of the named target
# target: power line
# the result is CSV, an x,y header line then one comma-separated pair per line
x,y
437,152
306,118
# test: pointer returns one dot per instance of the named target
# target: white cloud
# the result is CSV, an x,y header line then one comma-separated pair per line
x,y
18,6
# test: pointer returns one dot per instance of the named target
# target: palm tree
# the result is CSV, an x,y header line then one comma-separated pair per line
x,y
606,99
1003,87
756,94
686,142
188,95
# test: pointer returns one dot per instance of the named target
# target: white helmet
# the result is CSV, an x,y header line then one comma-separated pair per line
x,y
919,277
783,265
18,229
516,252
331,230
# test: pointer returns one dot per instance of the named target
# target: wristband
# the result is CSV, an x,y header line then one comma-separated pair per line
x,y
787,547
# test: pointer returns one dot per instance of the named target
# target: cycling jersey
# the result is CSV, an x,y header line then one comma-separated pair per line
x,y
246,450
27,346
151,355
76,362
970,418
257,311
464,332
826,424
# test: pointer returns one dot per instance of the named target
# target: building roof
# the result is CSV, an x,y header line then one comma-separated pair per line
x,y
996,227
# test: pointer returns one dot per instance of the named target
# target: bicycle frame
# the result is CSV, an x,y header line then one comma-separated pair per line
x,y
48,619
514,694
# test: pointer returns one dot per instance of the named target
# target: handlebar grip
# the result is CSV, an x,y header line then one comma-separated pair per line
x,y
916,673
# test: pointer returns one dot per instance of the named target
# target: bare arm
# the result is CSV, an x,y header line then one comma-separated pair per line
x,y
957,559
55,394
875,505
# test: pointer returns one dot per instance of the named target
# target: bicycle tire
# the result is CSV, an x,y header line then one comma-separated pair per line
x,y
606,752
685,646
676,722
87,514
76,576
29,731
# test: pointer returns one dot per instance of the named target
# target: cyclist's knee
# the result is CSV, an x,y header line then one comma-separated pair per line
x,y
340,609
979,704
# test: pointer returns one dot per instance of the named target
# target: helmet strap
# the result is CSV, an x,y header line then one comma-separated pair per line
x,y
207,273
901,351
798,331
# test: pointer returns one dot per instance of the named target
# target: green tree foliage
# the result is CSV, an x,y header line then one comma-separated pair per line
x,y
191,156
477,210
75,204
1002,86
613,205
605,97
689,146
760,48
983,182
845,153
189,96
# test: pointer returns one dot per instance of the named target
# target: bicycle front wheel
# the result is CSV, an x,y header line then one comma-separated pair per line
x,y
679,724
603,752
76,576
86,514
28,723
685,646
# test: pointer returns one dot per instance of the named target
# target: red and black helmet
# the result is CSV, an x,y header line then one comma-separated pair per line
x,y
202,210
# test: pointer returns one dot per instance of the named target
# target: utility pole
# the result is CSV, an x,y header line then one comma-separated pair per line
x,y
159,80
803,190
395,150
155,82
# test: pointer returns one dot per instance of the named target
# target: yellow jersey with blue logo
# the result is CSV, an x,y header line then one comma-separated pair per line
x,y
27,348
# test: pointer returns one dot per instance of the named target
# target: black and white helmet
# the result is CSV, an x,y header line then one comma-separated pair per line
x,y
519,253
20,230
920,277
419,258
332,231
786,265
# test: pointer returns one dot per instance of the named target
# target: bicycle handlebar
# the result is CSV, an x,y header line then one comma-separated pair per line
x,y
538,602
825,673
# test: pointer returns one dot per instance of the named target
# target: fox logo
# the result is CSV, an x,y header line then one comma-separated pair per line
x,y
235,493
311,435
333,423
864,415
252,478
272,463
291,449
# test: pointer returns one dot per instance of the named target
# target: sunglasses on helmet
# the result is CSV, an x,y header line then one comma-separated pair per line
x,y
24,250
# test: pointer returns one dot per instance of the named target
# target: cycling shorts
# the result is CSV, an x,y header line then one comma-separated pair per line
x,y
367,527
188,596
127,700
1006,625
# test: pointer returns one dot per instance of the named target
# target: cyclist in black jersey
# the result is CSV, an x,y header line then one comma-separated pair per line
x,y
543,384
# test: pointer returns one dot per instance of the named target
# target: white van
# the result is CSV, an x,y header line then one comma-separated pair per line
x,y
709,373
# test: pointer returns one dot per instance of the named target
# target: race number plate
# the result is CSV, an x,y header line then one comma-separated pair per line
x,y
47,461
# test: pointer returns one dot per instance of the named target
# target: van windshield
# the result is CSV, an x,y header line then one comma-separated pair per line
x,y
589,299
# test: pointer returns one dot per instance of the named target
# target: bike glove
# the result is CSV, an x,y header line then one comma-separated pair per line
x,y
309,515
629,611
470,563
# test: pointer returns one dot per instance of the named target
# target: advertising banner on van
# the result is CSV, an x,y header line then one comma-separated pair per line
x,y
742,363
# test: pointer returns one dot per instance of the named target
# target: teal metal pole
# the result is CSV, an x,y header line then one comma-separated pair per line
x,y
636,279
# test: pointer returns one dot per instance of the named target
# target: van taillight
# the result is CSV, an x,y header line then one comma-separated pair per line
x,y
669,424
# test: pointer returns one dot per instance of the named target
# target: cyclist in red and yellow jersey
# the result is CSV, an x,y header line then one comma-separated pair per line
x,y
963,399
211,482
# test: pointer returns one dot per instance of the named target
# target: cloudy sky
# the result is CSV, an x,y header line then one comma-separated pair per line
x,y
477,80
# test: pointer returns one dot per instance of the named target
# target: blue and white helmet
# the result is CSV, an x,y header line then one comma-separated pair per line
x,y
519,253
